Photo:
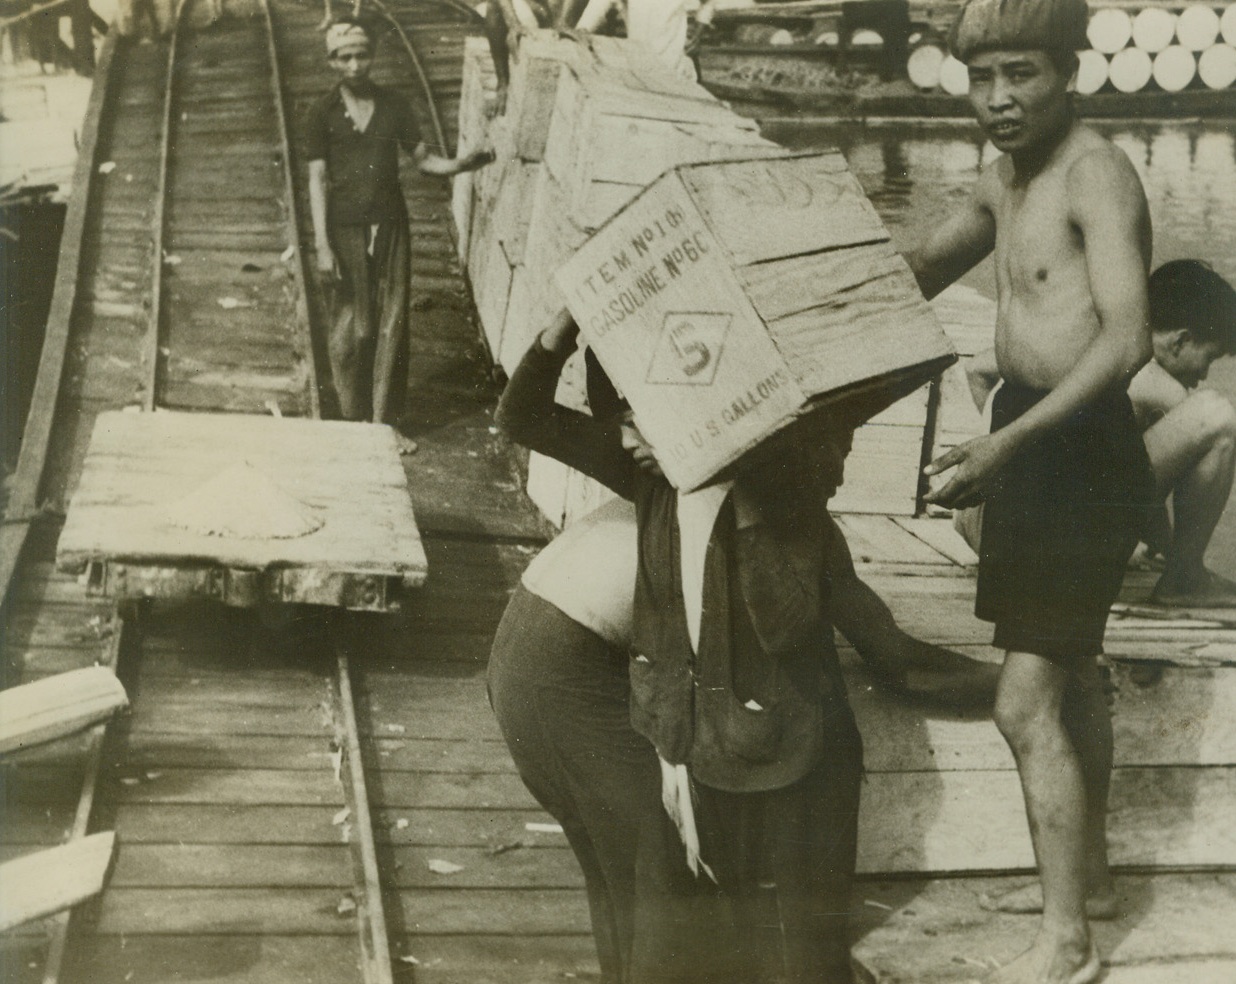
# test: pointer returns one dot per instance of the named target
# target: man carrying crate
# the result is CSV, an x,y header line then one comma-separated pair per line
x,y
1064,474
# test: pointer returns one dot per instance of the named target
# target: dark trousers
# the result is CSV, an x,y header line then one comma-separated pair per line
x,y
562,699
784,859
369,319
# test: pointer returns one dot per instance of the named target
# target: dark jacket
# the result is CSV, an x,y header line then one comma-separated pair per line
x,y
745,712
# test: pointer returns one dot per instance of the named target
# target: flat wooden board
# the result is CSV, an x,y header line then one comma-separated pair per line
x,y
51,708
141,467
44,882
937,933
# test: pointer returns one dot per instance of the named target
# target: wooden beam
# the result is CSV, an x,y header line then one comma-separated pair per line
x,y
23,497
57,706
51,880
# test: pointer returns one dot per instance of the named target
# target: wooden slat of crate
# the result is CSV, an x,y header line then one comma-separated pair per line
x,y
533,90
534,296
491,289
585,108
478,84
637,151
139,465
803,205
866,315
513,209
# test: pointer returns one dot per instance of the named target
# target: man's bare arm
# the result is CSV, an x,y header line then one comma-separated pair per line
x,y
430,163
1108,208
594,14
954,247
317,210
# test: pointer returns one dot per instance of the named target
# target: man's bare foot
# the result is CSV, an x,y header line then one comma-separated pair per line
x,y
1028,901
1203,590
1051,961
406,444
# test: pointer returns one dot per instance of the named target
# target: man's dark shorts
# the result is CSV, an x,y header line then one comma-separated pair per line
x,y
1060,525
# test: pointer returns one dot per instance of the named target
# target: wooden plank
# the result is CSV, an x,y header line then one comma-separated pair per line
x,y
24,488
952,822
881,472
879,538
205,823
51,880
140,465
235,787
941,537
222,823
53,708
478,959
157,750
188,717
239,956
1183,719
513,868
540,912
936,932
408,790
232,866
260,911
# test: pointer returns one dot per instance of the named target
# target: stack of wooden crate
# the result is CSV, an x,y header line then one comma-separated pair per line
x,y
587,127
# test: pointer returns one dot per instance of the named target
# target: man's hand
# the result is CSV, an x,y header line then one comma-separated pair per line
x,y
561,334
978,461
478,158
327,265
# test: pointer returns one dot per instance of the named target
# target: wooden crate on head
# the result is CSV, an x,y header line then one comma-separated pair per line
x,y
729,300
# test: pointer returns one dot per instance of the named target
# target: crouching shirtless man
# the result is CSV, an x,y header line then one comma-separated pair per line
x,y
1064,474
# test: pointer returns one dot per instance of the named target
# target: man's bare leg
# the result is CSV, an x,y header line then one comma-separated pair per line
x,y
1193,453
1089,725
1029,712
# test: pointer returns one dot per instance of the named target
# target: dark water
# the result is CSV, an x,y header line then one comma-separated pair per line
x,y
915,174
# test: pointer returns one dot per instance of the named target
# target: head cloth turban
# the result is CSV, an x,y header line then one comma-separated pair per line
x,y
1018,25
343,34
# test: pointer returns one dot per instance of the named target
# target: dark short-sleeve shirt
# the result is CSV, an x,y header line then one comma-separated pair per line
x,y
363,167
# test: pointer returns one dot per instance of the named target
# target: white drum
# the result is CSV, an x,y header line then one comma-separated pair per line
x,y
923,66
1197,27
1227,24
1154,29
1130,70
954,77
1109,30
1091,72
1217,66
1174,68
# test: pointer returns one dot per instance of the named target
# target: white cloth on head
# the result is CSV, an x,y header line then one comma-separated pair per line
x,y
341,35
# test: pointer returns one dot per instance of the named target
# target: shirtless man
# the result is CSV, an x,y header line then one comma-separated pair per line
x,y
1064,474
507,21
1189,430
